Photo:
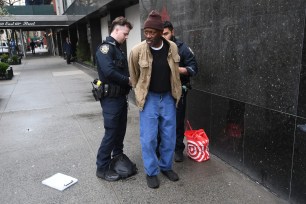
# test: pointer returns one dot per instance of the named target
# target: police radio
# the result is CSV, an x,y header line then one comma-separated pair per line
x,y
97,89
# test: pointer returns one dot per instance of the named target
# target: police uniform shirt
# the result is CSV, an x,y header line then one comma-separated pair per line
x,y
112,64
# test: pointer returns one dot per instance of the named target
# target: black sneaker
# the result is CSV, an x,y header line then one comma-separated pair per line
x,y
152,181
178,157
108,175
171,175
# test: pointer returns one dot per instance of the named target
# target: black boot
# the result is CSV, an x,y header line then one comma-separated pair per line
x,y
178,156
108,175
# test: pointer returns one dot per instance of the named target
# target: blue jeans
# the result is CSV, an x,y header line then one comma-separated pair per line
x,y
158,115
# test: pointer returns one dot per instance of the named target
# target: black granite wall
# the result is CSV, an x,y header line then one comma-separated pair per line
x,y
250,92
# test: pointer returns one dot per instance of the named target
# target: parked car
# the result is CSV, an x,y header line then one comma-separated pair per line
x,y
4,48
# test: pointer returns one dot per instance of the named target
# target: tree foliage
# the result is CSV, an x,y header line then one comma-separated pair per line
x,y
10,2
2,9
3,3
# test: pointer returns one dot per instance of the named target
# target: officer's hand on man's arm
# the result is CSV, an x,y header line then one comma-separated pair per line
x,y
130,82
183,71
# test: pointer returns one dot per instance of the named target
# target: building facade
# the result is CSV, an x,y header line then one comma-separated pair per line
x,y
249,94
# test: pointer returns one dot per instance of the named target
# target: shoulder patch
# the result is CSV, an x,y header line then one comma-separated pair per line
x,y
104,48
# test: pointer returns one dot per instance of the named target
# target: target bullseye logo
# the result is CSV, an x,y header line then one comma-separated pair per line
x,y
196,151
197,145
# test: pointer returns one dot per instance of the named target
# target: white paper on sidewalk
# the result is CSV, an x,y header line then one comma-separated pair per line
x,y
60,181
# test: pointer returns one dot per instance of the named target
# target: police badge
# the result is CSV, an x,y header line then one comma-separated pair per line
x,y
104,48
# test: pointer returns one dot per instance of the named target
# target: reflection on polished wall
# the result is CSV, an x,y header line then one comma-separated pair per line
x,y
249,94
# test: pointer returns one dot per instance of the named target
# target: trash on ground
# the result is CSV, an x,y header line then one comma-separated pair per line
x,y
60,181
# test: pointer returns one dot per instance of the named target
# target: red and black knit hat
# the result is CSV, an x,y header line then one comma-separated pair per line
x,y
154,21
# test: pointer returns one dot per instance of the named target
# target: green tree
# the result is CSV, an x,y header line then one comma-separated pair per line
x,y
9,2
3,3
2,9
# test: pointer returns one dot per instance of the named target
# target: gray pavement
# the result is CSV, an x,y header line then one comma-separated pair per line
x,y
50,123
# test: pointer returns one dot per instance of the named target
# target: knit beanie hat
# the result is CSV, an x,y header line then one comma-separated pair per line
x,y
154,21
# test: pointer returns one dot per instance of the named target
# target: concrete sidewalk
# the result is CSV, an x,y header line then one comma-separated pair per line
x,y
50,123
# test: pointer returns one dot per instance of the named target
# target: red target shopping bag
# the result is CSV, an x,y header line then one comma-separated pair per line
x,y
197,144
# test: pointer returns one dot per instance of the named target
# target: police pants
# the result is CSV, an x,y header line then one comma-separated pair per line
x,y
115,118
158,115
180,123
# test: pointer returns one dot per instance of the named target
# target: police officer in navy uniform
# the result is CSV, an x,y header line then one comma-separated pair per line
x,y
187,67
112,68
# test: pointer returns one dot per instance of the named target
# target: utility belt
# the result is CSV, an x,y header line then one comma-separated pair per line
x,y
109,90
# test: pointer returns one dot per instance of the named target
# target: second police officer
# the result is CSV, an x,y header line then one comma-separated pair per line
x,y
188,68
112,68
